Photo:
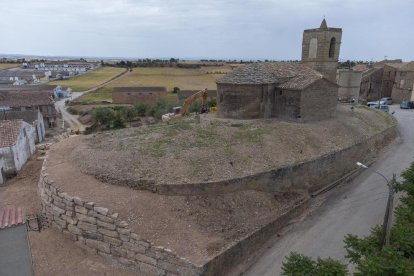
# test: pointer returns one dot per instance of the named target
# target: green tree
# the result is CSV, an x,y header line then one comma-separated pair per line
x,y
103,116
298,265
129,113
366,253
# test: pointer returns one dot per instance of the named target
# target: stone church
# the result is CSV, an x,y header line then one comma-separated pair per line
x,y
305,91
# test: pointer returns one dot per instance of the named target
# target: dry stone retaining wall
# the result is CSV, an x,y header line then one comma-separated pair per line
x,y
101,232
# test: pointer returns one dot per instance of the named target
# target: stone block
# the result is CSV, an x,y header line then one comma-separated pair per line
x,y
59,204
77,201
101,210
135,236
70,213
100,217
108,257
89,205
134,247
145,259
87,226
106,225
62,223
92,236
122,224
130,254
99,245
86,218
74,230
143,243
124,231
70,220
127,262
151,270
124,237
57,211
112,241
81,210
113,216
68,203
119,252
107,232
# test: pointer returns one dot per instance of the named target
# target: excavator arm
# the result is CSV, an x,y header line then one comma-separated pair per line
x,y
203,94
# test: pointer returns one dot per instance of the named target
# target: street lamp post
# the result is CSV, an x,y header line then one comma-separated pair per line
x,y
386,225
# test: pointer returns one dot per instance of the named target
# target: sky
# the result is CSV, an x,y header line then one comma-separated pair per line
x,y
231,29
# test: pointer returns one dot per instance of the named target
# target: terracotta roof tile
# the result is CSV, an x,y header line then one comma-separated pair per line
x,y
285,75
11,217
25,98
9,132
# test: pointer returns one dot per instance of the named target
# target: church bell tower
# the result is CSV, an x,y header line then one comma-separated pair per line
x,y
320,49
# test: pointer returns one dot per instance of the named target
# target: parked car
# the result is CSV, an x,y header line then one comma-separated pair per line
x,y
407,105
379,102
386,100
382,107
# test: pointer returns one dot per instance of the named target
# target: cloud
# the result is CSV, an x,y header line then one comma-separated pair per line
x,y
189,28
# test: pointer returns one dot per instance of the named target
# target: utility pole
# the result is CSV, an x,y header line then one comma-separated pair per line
x,y
386,226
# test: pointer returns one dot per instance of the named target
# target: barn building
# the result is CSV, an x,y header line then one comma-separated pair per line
x,y
133,95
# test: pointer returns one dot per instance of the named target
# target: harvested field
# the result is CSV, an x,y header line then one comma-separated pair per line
x,y
90,79
185,79
8,65
185,152
199,227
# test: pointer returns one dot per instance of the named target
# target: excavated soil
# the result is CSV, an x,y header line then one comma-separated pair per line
x,y
199,227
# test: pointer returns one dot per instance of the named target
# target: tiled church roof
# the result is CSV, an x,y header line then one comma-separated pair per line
x,y
285,75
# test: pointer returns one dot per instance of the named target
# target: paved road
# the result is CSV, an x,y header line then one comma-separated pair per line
x,y
72,120
69,119
351,208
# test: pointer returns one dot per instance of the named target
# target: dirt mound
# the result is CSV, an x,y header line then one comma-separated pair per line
x,y
185,152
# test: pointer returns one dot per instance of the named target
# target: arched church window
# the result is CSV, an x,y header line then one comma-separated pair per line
x,y
313,47
332,47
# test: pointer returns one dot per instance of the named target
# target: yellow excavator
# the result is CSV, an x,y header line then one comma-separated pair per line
x,y
183,110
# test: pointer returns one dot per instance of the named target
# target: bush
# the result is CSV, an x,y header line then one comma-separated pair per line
x,y
72,110
176,89
103,116
118,121
141,109
298,265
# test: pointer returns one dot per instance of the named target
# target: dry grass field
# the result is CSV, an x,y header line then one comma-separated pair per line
x,y
185,79
90,79
8,65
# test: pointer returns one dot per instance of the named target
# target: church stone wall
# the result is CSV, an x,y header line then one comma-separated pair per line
x,y
240,101
318,101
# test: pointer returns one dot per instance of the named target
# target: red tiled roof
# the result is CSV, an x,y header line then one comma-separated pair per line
x,y
25,98
11,217
9,132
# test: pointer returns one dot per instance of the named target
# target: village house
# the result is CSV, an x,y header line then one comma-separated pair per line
x,y
133,95
378,79
17,144
30,100
349,82
301,92
32,117
404,83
